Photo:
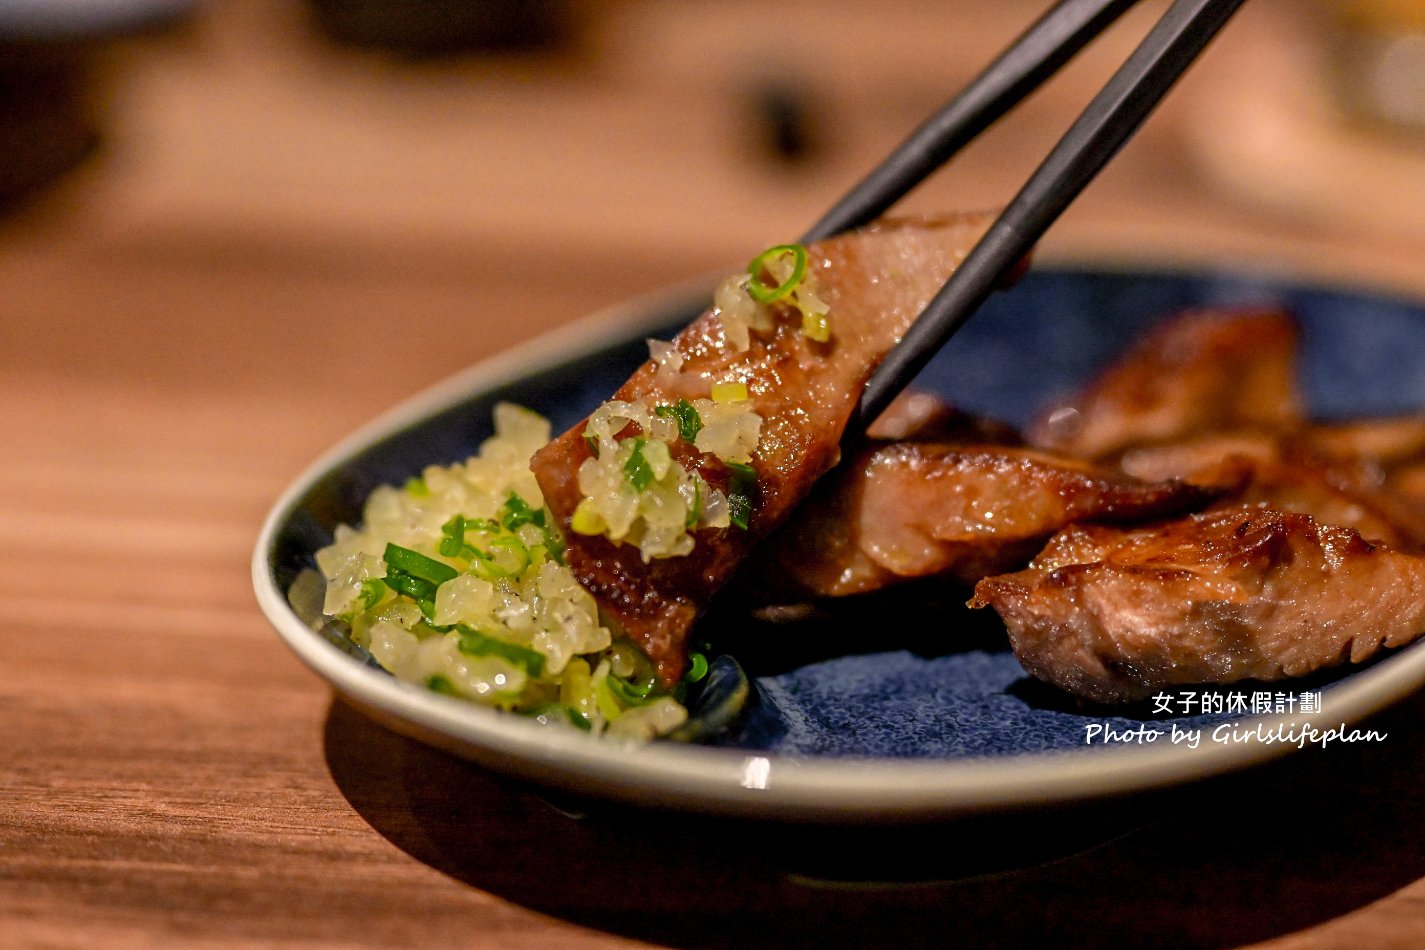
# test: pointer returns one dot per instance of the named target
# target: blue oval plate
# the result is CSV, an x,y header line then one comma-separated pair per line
x,y
917,711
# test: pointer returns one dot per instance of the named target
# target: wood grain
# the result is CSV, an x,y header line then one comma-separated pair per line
x,y
282,239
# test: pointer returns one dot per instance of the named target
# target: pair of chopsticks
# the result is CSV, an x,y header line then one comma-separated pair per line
x,y
1101,130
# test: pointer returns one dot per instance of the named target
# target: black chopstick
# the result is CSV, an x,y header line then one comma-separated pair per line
x,y
1039,52
1094,138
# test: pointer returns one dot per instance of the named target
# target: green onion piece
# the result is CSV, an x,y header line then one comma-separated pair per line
x,y
516,513
759,290
372,590
690,421
507,557
547,713
744,477
632,679
416,487
639,472
605,700
452,540
739,510
414,587
695,510
697,668
554,544
630,662
442,685
739,492
418,565
475,643
453,543
630,694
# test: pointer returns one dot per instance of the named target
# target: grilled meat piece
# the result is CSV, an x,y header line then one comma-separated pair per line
x,y
1114,615
1392,450
1203,371
913,509
875,282
1407,484
1388,441
1288,472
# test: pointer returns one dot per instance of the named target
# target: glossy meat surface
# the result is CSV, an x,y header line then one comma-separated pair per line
x,y
1199,372
1289,472
1114,615
875,282
1388,441
1408,484
911,509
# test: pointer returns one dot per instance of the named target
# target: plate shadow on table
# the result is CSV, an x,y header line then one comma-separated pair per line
x,y
1271,851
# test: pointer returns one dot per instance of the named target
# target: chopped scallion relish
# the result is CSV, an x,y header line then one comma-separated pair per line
x,y
441,684
639,472
475,643
630,694
690,421
550,712
695,510
418,565
517,512
740,489
506,556
413,587
739,510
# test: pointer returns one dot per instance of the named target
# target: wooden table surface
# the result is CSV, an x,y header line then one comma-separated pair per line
x,y
280,239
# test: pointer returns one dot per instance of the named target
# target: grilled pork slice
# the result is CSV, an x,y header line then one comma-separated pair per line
x,y
1407,483
1115,615
1394,447
1203,371
875,282
1288,471
912,509
1388,441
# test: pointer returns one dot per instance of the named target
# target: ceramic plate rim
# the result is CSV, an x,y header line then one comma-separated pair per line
x,y
737,782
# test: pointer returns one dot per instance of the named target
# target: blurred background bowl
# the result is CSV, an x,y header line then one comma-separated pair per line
x,y
443,27
52,91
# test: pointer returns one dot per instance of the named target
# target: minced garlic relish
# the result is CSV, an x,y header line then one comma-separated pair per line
x,y
456,582
635,492
744,302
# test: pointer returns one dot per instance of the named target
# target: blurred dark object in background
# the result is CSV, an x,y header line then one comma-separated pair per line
x,y
784,121
47,123
444,27
51,95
